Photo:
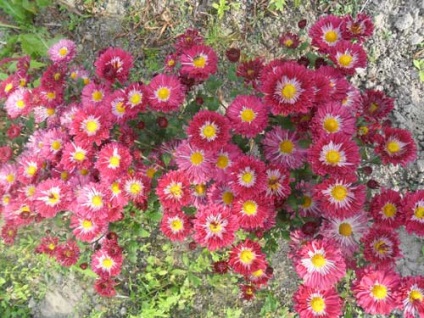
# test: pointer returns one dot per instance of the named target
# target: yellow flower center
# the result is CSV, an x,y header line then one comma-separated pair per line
x,y
247,177
379,291
97,96
363,130
114,161
10,178
176,225
247,256
120,108
318,260
345,229
92,126
135,99
247,115
64,175
415,295
8,87
200,189
393,147
63,51
331,36
51,95
389,210
86,80
258,273
56,145
345,60
286,147
74,75
222,162
6,199
135,188
209,131
199,61
373,107
331,125
215,227
227,197
250,207
52,246
176,190
87,224
79,156
107,263
273,184
115,187
381,247
339,193
97,201
419,212
317,304
288,42
84,172
163,94
50,111
54,198
196,158
150,172
333,157
288,91
20,104
31,170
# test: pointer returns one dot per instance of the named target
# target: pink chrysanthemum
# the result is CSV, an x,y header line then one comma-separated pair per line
x,y
352,99
250,70
195,162
252,211
386,208
375,290
136,187
9,85
105,286
63,51
113,160
175,225
135,99
67,254
335,154
53,142
309,206
414,213
346,231
332,118
381,245
221,194
48,245
278,182
106,265
375,105
214,227
188,39
358,28
320,264
94,93
115,103
247,257
76,157
198,62
248,116
51,197
173,190
87,229
338,84
9,231
396,146
18,103
29,167
326,32
199,195
248,176
282,147
8,175
289,89
208,130
224,160
91,201
411,296
165,93
289,40
114,64
340,197
260,277
48,96
313,302
348,57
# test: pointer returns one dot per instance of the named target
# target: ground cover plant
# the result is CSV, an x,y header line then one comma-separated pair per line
x,y
106,157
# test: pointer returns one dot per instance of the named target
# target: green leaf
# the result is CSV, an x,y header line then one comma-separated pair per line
x,y
422,76
416,63
196,281
33,45
3,76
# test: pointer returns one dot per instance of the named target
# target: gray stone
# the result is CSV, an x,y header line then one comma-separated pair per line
x,y
415,39
404,22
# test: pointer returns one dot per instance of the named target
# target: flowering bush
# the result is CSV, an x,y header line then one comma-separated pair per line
x,y
290,145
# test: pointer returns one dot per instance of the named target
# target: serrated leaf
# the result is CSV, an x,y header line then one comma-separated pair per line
x,y
33,45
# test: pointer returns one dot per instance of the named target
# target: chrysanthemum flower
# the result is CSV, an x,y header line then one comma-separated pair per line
x,y
288,89
106,265
91,201
414,212
411,296
222,194
175,225
252,211
375,290
260,277
248,176
381,245
63,51
376,105
67,254
76,157
208,130
115,103
289,40
105,286
396,146
332,118
282,147
198,62
48,245
248,116
224,160
338,84
387,208
8,233
8,175
320,264
113,160
247,257
18,103
135,99
188,39
51,197
352,99
29,167
165,93
250,70
326,32
173,190
348,57
136,187
214,227
94,93
9,85
358,28
335,154
53,143
309,206
170,62
199,195
195,162
340,197
114,64
87,229
278,182
79,73
313,302
346,231
48,96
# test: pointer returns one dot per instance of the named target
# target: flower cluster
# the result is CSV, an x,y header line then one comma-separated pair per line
x,y
301,133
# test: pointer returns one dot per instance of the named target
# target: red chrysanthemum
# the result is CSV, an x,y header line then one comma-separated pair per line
x,y
348,57
335,154
338,84
175,225
208,130
326,32
94,93
288,89
252,211
106,265
222,194
381,245
250,70
411,296
376,105
414,212
76,157
48,245
320,264
386,208
248,116
114,64
225,158
358,28
188,39
165,93
375,290
214,227
87,229
173,190
248,176
8,233
289,40
340,197
113,160
51,197
92,201
247,292
247,257
67,254
278,182
313,302
136,187
396,146
135,99
105,286
198,62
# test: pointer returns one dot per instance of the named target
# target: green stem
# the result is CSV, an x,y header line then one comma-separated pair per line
x,y
10,26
